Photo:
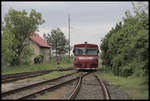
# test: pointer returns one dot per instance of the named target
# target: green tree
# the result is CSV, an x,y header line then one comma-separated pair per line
x,y
20,25
58,41
125,47
7,42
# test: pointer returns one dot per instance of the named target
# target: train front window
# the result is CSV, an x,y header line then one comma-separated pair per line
x,y
91,51
79,51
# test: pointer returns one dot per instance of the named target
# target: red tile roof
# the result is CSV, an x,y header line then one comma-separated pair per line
x,y
37,39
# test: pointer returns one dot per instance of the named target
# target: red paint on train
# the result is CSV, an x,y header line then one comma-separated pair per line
x,y
85,56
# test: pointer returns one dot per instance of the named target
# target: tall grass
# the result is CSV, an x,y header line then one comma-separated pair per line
x,y
134,86
35,67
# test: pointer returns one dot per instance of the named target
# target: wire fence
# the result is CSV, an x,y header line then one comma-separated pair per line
x,y
59,59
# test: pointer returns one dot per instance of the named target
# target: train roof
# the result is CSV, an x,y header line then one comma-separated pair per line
x,y
88,44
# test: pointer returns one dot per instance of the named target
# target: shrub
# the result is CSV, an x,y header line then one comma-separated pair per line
x,y
26,55
39,59
125,47
126,71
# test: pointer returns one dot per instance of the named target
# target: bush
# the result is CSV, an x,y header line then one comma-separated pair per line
x,y
126,71
125,47
26,55
39,59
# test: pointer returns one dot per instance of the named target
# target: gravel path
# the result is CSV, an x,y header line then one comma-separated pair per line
x,y
90,88
115,92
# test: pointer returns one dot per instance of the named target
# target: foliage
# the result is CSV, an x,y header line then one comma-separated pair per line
x,y
26,55
125,47
133,85
58,41
7,52
34,67
39,59
18,26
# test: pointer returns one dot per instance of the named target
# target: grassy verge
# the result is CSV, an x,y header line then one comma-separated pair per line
x,y
134,86
48,76
35,67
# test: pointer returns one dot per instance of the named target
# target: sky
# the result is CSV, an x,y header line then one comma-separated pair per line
x,y
89,21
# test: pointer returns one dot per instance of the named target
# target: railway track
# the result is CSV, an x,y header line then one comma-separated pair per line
x,y
85,81
19,76
78,91
104,88
30,91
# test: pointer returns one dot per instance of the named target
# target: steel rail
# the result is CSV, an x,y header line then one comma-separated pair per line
x,y
79,78
6,93
77,87
105,91
18,76
12,79
5,76
48,89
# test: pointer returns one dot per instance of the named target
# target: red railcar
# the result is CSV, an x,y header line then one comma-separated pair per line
x,y
85,56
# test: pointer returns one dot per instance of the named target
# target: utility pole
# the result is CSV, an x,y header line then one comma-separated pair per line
x,y
69,33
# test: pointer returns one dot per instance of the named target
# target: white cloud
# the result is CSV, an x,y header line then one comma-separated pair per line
x,y
90,21
42,31
92,33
